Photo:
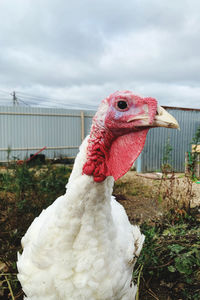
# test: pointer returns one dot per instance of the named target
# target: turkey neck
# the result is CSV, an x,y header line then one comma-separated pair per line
x,y
88,199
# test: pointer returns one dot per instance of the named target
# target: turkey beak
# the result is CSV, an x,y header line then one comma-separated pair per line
x,y
164,119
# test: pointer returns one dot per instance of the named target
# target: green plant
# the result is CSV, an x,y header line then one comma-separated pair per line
x,y
167,158
9,150
171,256
175,192
193,156
51,182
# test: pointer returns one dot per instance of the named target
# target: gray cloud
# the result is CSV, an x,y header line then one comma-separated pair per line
x,y
80,51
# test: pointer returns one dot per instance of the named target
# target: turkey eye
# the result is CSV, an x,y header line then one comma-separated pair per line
x,y
122,104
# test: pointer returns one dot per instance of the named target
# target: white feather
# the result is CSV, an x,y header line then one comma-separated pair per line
x,y
81,246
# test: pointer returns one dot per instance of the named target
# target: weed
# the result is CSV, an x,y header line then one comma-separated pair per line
x,y
167,158
175,193
9,150
193,156
171,255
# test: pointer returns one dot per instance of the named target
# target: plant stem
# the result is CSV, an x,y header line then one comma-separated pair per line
x,y
10,288
138,282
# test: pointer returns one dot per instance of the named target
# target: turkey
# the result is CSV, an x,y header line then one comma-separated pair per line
x,y
83,247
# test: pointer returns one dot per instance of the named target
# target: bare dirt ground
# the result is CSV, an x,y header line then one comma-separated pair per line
x,y
149,179
135,193
196,198
141,193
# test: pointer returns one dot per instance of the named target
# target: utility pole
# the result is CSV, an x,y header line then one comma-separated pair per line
x,y
14,98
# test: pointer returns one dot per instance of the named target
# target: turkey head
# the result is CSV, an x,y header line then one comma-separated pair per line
x,y
119,131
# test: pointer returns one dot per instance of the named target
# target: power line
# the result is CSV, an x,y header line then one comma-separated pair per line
x,y
39,97
4,92
20,100
30,99
52,99
2,98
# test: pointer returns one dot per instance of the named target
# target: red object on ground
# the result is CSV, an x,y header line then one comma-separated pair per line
x,y
20,162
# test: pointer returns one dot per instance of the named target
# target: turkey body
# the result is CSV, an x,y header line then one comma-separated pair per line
x,y
82,246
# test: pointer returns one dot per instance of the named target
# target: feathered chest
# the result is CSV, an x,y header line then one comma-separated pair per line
x,y
74,250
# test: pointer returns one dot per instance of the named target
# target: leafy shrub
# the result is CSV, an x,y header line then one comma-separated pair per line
x,y
193,156
171,256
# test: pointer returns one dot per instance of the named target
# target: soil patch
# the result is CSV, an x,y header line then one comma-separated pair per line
x,y
139,194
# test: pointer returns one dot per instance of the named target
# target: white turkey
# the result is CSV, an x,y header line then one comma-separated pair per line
x,y
83,247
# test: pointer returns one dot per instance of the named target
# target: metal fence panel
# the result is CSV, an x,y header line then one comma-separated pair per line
x,y
25,130
153,152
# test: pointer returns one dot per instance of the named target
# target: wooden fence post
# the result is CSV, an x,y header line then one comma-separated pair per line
x,y
82,126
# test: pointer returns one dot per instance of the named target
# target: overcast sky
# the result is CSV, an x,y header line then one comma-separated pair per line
x,y
80,51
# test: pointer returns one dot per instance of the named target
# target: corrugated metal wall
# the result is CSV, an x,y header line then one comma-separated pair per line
x,y
152,155
26,130
60,130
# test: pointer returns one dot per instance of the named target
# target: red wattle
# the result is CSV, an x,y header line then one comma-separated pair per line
x,y
118,159
124,151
